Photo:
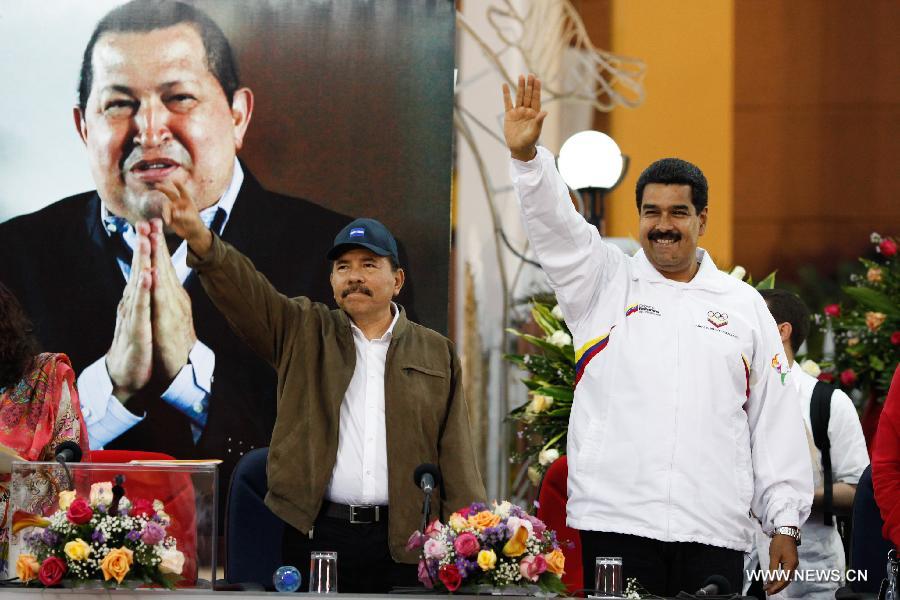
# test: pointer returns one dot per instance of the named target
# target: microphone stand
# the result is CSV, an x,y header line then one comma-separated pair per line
x,y
61,459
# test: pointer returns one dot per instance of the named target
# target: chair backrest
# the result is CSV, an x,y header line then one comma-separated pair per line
x,y
176,492
552,511
868,549
252,532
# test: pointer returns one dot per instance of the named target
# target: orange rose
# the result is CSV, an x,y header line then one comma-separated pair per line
x,y
874,320
483,520
556,561
516,544
116,564
27,567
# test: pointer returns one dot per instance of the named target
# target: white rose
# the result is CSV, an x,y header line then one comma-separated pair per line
x,y
502,509
101,493
557,312
560,338
171,561
739,272
810,367
513,523
546,457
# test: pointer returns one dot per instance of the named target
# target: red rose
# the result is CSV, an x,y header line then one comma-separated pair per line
x,y
833,310
141,507
79,511
895,338
466,544
450,577
826,377
888,247
848,377
52,570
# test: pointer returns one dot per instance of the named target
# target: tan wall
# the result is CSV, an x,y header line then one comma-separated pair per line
x,y
816,131
688,111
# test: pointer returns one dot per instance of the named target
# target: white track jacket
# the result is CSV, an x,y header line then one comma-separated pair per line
x,y
682,421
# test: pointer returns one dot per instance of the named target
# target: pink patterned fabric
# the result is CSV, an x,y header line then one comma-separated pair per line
x,y
42,410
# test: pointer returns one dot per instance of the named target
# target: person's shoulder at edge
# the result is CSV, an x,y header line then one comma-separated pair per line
x,y
64,210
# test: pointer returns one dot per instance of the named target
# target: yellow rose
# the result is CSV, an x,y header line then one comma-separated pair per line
x,y
487,560
65,499
116,564
874,275
556,561
77,549
457,522
483,520
516,544
540,403
27,567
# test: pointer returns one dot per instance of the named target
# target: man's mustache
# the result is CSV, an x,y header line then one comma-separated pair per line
x,y
361,289
655,236
172,151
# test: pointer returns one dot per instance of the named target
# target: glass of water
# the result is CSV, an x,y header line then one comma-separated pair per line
x,y
608,576
323,572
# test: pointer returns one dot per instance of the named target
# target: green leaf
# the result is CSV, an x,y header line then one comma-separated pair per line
x,y
873,300
556,392
768,283
876,362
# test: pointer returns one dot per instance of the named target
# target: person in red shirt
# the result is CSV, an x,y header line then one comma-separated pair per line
x,y
886,463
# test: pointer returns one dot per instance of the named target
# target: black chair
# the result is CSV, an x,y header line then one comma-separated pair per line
x,y
252,531
868,549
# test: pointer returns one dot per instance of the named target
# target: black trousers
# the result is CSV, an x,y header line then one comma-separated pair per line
x,y
364,564
662,568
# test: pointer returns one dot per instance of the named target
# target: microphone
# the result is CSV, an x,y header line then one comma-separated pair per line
x,y
68,452
427,476
713,586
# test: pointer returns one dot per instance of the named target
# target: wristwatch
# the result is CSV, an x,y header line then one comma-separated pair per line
x,y
794,532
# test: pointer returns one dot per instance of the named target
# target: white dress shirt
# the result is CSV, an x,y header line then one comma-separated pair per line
x,y
107,418
360,473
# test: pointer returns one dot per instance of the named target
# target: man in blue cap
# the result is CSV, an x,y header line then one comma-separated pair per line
x,y
364,396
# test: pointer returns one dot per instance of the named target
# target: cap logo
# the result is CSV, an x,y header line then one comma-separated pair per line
x,y
357,232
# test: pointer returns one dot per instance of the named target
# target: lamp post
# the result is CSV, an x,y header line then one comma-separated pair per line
x,y
591,163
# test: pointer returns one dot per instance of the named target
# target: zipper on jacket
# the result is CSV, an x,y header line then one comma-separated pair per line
x,y
677,396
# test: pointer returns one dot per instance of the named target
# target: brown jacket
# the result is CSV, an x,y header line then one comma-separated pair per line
x,y
312,349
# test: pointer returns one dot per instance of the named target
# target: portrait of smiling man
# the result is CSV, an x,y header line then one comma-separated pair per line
x,y
160,103
682,422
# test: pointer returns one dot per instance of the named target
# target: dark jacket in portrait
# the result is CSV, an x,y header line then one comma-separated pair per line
x,y
61,265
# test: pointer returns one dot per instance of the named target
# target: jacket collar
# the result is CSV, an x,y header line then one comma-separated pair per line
x,y
708,276
400,326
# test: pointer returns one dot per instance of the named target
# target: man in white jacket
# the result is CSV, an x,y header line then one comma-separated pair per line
x,y
683,423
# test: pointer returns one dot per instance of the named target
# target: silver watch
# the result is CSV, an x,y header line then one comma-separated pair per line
x,y
794,532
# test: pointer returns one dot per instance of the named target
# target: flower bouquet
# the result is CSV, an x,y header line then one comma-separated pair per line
x,y
105,538
482,548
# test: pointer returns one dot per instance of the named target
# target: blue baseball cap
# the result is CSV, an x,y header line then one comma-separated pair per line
x,y
365,233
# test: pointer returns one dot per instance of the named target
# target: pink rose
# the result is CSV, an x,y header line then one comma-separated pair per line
x,y
848,377
464,512
466,544
52,570
416,540
79,512
450,577
887,247
424,576
833,310
434,529
532,567
435,549
895,338
537,526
